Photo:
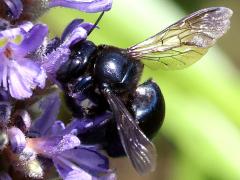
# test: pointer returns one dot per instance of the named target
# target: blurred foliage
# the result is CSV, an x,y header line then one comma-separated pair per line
x,y
200,138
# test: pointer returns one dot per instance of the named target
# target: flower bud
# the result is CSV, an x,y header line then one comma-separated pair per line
x,y
17,140
22,120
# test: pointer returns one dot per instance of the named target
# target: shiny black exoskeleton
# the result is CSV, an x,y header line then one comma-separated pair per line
x,y
92,69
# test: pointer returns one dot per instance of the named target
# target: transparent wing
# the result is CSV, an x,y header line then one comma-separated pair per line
x,y
184,42
137,146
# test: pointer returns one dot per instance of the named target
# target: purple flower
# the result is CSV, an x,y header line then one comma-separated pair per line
x,y
15,8
17,140
31,10
71,159
83,163
84,5
22,120
18,72
49,139
59,52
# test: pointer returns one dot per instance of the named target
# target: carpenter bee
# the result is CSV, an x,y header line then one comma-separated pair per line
x,y
98,79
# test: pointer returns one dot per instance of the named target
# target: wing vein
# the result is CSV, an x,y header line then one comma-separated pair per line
x,y
192,35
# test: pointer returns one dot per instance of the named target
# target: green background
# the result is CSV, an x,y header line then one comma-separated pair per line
x,y
200,138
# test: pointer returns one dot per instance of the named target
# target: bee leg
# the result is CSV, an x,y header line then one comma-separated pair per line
x,y
89,108
148,108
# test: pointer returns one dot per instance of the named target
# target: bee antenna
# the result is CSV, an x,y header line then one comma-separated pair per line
x,y
96,23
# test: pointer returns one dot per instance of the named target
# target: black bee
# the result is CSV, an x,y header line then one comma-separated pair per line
x,y
104,78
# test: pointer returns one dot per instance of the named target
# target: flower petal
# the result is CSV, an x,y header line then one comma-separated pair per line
x,y
22,120
15,6
76,36
90,6
13,32
78,175
81,159
3,72
70,28
109,176
18,87
50,108
50,146
16,139
4,95
31,68
25,26
87,124
56,129
75,32
41,78
23,76
32,40
54,60
88,159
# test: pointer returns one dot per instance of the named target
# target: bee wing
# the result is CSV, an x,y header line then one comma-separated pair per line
x,y
138,147
184,42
